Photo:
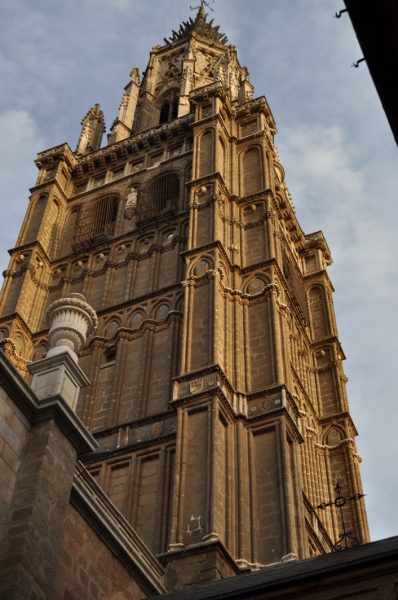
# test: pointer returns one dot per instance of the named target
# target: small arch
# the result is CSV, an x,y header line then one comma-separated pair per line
x,y
318,311
256,284
3,333
323,356
253,212
202,266
58,274
40,351
333,436
122,249
168,235
137,318
144,243
161,311
111,328
251,171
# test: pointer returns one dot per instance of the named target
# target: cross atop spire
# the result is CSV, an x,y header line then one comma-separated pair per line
x,y
203,3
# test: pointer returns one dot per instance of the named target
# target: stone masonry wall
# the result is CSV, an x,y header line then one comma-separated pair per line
x,y
14,430
88,569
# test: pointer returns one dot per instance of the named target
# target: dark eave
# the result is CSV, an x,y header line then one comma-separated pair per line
x,y
376,27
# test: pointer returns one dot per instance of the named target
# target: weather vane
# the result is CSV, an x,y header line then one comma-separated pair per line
x,y
346,540
204,3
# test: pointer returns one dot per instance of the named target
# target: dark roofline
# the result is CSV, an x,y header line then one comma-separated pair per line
x,y
294,573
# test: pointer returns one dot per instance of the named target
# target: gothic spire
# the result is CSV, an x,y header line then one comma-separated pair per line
x,y
201,26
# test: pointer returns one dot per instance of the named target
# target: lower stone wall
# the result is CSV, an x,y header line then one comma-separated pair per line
x,y
88,569
60,535
14,431
200,564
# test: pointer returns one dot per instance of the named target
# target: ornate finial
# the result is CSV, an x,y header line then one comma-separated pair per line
x,y
200,26
71,321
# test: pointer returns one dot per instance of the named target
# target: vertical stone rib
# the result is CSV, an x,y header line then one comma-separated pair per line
x,y
276,340
290,537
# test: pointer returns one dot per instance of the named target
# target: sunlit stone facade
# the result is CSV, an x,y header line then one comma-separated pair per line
x,y
217,390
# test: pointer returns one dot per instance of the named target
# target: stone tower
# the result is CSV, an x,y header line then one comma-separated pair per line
x,y
217,389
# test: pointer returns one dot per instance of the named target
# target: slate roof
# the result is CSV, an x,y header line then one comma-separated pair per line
x,y
292,573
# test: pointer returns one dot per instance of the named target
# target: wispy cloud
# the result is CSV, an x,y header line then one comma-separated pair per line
x,y
352,202
19,143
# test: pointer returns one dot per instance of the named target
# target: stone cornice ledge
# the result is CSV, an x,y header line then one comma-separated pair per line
x,y
37,411
116,532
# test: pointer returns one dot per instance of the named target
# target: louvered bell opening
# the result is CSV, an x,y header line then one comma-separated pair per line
x,y
96,222
160,198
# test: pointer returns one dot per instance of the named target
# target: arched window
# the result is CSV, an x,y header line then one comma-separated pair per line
x,y
174,108
206,153
96,220
160,197
318,312
169,108
164,112
251,171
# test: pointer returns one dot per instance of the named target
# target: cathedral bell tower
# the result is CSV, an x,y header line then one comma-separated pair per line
x,y
217,389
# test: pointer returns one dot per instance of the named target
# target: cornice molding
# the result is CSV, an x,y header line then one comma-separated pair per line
x,y
36,410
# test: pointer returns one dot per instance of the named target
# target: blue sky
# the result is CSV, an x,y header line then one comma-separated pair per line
x,y
59,58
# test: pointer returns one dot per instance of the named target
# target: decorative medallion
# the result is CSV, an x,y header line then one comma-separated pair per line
x,y
196,386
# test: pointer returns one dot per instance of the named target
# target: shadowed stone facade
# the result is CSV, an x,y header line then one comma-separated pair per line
x,y
217,393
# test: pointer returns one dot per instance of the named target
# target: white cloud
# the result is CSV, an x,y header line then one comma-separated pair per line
x,y
19,143
353,204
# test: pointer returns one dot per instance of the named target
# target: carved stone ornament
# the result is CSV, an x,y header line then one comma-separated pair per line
x,y
71,321
131,203
196,386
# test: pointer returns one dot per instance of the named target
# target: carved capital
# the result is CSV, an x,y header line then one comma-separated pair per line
x,y
71,321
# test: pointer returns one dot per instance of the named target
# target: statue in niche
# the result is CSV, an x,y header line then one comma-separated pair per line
x,y
234,84
131,203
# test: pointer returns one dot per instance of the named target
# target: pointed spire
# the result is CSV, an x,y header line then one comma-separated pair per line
x,y
123,124
93,127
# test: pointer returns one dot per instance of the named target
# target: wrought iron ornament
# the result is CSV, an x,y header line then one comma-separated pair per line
x,y
341,12
346,540
203,3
